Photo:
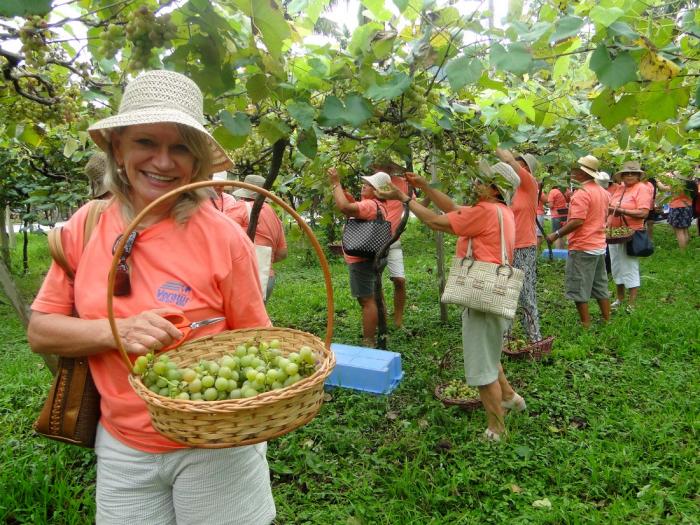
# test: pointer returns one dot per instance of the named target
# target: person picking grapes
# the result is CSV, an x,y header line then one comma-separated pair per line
x,y
585,265
482,333
361,270
186,258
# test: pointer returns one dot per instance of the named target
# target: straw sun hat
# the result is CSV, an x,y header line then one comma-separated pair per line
x,y
502,176
631,166
245,193
378,180
160,96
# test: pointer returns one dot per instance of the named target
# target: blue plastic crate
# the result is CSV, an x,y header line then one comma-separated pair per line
x,y
365,369
557,253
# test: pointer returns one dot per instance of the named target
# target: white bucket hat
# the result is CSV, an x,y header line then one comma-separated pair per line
x,y
160,96
378,180
245,193
219,175
530,160
502,176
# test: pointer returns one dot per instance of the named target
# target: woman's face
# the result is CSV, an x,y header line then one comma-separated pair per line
x,y
630,179
155,158
367,191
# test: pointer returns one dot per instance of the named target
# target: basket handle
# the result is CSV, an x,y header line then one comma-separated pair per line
x,y
193,186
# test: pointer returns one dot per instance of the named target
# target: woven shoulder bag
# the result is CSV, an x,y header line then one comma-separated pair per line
x,y
366,238
484,286
72,409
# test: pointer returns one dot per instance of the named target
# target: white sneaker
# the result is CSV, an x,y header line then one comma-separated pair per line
x,y
616,303
490,435
517,403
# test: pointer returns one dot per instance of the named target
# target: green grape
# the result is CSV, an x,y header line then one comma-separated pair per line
x,y
208,381
241,351
249,392
235,394
165,392
162,382
221,384
189,375
160,368
210,394
183,395
251,374
174,374
291,369
227,361
196,396
195,386
225,372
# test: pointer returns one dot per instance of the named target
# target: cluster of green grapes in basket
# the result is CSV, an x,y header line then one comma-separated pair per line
x,y
252,368
458,389
620,231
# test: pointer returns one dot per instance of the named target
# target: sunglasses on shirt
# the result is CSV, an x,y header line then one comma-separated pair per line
x,y
122,280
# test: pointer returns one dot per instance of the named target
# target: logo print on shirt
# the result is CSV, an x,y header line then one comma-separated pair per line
x,y
174,292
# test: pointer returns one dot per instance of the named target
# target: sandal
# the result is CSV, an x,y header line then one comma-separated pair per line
x,y
490,435
517,403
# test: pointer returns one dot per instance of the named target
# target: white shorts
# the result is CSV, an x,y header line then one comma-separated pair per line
x,y
192,486
624,269
395,261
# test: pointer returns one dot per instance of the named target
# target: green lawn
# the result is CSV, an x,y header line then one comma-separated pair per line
x,y
611,435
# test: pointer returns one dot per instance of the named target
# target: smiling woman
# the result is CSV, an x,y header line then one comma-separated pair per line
x,y
187,258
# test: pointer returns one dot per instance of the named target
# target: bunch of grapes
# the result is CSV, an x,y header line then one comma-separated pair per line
x,y
33,35
457,389
246,372
145,31
112,40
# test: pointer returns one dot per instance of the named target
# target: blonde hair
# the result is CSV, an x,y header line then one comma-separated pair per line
x,y
117,182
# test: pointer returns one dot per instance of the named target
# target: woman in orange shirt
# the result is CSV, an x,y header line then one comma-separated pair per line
x,y
680,214
187,257
558,210
629,206
482,333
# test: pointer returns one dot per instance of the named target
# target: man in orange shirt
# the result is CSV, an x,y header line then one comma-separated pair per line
x,y
585,266
524,208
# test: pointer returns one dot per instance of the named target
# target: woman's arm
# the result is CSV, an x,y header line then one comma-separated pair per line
x,y
442,201
431,219
72,337
347,208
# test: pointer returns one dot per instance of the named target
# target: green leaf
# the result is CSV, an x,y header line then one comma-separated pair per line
x,y
657,106
488,83
227,140
393,86
257,88
462,71
70,147
535,32
605,15
12,8
302,112
267,17
623,136
307,143
237,124
362,38
527,106
332,112
566,27
401,4
561,67
611,112
622,29
273,129
29,135
376,7
517,59
357,110
613,73
697,96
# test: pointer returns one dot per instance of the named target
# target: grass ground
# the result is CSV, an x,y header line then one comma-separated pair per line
x,y
611,434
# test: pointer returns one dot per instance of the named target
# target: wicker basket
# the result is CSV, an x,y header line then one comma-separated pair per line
x,y
464,404
619,240
534,351
234,422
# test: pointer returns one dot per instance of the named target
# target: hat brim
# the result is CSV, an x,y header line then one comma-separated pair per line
x,y
641,172
593,173
529,164
99,131
245,193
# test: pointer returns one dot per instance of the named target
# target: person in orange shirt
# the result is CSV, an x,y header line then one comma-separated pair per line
x,y
680,214
482,333
585,265
395,211
361,271
268,233
629,206
558,210
524,208
186,258
220,199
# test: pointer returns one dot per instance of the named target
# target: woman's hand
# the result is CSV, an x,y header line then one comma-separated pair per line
x,y
148,331
416,180
391,192
333,176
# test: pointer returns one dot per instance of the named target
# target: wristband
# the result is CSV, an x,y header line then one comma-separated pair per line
x,y
558,232
407,200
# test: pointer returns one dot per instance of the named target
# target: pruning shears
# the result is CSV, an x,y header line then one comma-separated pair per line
x,y
186,327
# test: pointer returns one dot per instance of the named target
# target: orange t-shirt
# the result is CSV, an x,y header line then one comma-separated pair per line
x,y
680,200
395,208
541,202
636,197
524,208
223,202
206,268
480,223
590,204
556,201
367,209
612,188
269,231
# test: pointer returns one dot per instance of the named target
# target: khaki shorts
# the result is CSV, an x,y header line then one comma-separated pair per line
x,y
585,277
482,342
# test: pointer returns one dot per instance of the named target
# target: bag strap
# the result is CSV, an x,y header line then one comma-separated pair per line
x,y
504,255
54,236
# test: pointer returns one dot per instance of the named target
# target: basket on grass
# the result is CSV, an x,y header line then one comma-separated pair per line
x,y
234,422
463,404
534,351
618,235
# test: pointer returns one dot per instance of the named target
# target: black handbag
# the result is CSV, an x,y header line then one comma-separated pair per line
x,y
366,238
640,245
